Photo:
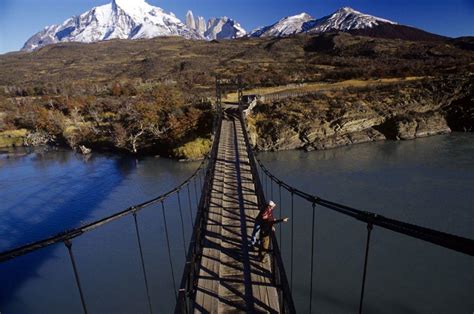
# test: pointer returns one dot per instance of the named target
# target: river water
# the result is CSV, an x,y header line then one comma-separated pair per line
x,y
426,182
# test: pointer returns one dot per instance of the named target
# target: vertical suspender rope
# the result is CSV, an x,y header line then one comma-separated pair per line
x,y
281,214
195,191
312,261
200,181
143,262
169,249
370,226
182,223
190,205
271,188
292,239
266,186
68,244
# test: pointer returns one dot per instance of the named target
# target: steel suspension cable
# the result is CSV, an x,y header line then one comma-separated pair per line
x,y
195,190
68,244
200,182
450,241
292,238
190,206
281,215
271,189
76,232
369,231
266,186
169,250
182,223
312,260
143,262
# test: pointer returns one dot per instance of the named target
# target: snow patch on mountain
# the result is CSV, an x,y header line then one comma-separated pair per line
x,y
344,19
287,26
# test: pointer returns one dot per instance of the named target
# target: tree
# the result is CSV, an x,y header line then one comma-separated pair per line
x,y
138,120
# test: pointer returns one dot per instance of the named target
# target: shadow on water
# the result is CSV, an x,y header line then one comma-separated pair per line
x,y
78,188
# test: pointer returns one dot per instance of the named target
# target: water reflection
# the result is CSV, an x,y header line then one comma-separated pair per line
x,y
46,192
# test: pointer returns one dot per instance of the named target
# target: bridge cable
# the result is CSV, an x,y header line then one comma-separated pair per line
x,y
195,191
169,249
190,205
292,238
182,223
266,185
281,215
143,261
312,260
200,181
68,244
370,226
271,188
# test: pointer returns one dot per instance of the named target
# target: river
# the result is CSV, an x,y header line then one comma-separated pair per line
x,y
427,182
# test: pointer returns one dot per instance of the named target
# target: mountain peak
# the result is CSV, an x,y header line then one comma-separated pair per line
x,y
302,15
344,19
223,28
347,9
286,26
130,5
120,19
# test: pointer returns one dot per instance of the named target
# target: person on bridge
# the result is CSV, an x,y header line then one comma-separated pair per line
x,y
258,222
267,223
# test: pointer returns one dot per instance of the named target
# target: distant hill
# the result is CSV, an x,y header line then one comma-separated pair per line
x,y
396,31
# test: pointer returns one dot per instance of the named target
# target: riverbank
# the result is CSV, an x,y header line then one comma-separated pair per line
x,y
334,118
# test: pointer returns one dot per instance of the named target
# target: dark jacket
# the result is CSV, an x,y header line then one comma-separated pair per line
x,y
267,224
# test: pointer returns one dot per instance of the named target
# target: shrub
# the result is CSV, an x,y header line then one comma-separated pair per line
x,y
194,150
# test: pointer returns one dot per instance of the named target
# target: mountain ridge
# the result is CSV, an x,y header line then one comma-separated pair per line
x,y
136,19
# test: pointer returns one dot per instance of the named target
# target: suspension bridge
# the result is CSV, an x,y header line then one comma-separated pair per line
x,y
220,273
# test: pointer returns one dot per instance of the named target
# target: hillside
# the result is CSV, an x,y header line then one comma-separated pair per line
x,y
76,93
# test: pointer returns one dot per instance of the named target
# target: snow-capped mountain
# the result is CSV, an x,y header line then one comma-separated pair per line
x,y
190,21
215,28
344,19
136,19
287,26
123,19
223,28
201,25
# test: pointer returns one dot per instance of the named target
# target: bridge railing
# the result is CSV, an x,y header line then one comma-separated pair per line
x,y
449,241
67,237
280,278
198,181
187,288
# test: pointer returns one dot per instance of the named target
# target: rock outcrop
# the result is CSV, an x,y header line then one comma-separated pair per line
x,y
399,112
410,126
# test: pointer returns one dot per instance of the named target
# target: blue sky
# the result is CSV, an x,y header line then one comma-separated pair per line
x,y
19,19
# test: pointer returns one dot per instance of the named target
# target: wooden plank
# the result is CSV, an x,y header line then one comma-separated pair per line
x,y
230,278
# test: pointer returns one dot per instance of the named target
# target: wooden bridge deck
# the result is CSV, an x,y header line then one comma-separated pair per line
x,y
232,279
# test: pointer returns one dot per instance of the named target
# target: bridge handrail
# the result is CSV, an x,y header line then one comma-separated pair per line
x,y
450,241
443,239
73,233
281,280
188,280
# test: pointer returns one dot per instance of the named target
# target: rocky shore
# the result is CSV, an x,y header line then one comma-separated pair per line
x,y
399,112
